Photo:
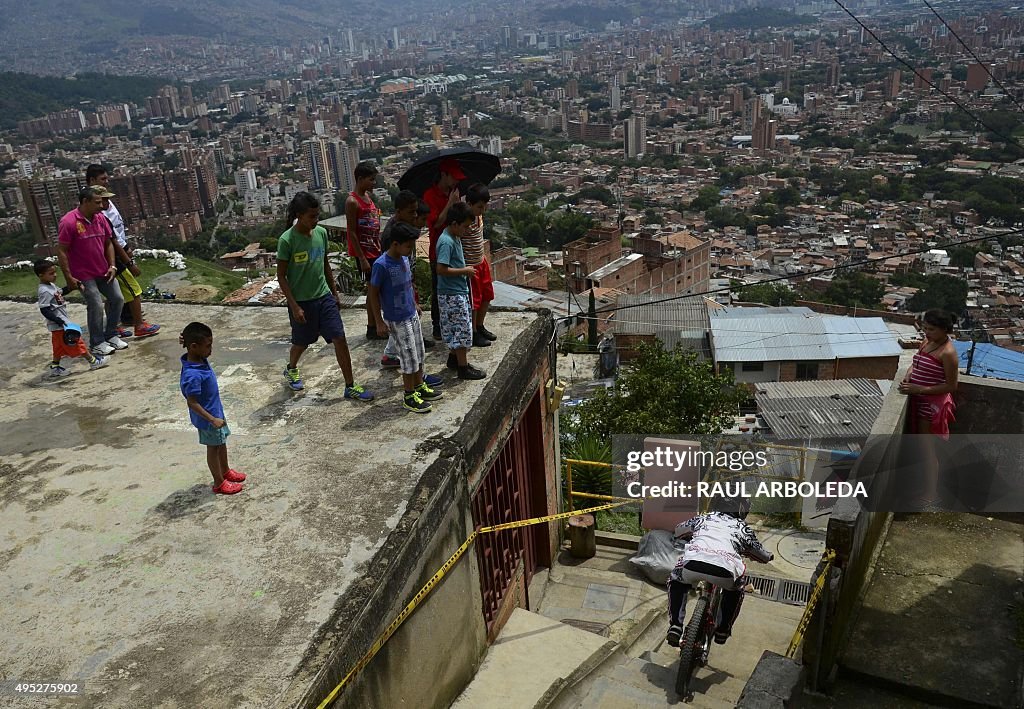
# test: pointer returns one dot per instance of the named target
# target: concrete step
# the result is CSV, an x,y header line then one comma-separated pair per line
x,y
530,657
609,694
712,682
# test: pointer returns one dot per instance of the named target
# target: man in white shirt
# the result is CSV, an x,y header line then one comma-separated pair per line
x,y
127,270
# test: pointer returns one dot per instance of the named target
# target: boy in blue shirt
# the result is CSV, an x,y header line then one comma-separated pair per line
x,y
453,292
393,305
199,387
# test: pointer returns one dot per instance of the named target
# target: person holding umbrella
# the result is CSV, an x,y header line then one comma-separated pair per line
x,y
440,198
363,226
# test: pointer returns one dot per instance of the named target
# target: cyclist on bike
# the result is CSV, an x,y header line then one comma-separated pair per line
x,y
717,541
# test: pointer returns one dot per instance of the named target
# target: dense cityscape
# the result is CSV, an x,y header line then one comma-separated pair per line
x,y
724,217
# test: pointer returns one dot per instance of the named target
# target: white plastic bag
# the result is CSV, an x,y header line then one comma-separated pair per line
x,y
657,555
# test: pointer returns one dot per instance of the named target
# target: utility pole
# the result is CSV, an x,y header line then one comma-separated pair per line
x,y
970,354
592,321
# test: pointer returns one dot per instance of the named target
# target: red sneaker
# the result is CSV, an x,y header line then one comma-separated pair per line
x,y
146,330
227,488
235,476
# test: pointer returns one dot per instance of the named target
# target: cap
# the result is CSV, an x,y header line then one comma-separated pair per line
x,y
102,191
452,167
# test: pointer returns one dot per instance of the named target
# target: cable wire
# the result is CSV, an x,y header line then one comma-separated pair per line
x,y
922,77
974,56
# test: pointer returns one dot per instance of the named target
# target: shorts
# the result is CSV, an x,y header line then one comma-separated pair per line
x,y
481,285
60,349
456,321
130,287
322,320
408,339
214,436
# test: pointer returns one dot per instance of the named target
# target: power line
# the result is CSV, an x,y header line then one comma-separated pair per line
x,y
975,56
925,79
807,274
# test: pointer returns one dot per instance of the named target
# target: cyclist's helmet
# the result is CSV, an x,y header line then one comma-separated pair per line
x,y
737,507
72,334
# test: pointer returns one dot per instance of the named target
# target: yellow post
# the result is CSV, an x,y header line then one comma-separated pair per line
x,y
568,478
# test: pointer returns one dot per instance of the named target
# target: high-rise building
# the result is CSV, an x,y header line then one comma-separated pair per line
x,y
394,37
245,181
506,37
572,89
977,77
435,134
46,202
764,133
402,125
153,198
892,84
634,135
464,126
616,98
341,161
182,192
923,78
492,145
832,74
315,161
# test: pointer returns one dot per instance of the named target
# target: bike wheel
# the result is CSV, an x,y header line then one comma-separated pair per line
x,y
691,647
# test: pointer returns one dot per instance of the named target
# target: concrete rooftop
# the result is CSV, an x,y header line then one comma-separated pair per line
x,y
120,568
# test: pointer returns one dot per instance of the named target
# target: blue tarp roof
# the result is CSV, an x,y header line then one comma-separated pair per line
x,y
992,361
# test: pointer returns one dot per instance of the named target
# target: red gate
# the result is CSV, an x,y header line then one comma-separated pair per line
x,y
511,490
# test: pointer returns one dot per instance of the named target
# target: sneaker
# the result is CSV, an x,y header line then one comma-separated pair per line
x,y
453,362
428,394
390,362
234,476
721,636
117,343
487,333
57,371
146,330
100,363
227,488
479,340
123,332
103,349
358,393
471,372
414,403
433,381
674,634
294,380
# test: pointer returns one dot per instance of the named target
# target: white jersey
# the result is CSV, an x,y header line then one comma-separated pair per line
x,y
117,222
719,539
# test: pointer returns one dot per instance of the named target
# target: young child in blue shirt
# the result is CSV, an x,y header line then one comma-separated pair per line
x,y
453,292
199,387
395,311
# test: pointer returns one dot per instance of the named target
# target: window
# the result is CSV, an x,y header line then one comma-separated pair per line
x,y
806,371
753,366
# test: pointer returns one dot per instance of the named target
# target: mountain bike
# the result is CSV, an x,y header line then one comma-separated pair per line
x,y
696,641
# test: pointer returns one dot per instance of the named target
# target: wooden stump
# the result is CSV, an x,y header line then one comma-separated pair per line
x,y
582,537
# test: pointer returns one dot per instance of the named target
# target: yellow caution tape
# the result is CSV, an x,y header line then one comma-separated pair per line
x,y
828,556
436,578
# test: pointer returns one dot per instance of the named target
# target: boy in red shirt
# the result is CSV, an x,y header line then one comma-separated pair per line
x,y
440,197
363,226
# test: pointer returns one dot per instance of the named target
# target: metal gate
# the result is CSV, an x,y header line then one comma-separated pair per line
x,y
505,495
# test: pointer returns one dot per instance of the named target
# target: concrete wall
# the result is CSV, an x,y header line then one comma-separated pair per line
x,y
867,368
436,652
856,535
831,309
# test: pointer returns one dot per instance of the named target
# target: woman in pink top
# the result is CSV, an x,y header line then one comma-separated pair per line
x,y
933,377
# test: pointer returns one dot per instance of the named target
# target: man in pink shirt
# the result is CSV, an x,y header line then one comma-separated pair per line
x,y
86,256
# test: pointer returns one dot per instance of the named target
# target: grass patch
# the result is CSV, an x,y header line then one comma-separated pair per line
x,y
621,521
204,273
18,281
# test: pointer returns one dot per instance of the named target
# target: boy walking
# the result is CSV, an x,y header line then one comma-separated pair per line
x,y
453,292
65,336
199,387
363,226
391,292
308,284
481,286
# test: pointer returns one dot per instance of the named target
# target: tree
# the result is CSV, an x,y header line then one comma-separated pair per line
x,y
568,226
707,198
776,294
662,392
855,290
947,293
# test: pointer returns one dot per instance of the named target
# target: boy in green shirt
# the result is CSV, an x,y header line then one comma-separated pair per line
x,y
308,284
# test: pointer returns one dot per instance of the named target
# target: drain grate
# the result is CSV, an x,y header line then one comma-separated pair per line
x,y
591,627
794,593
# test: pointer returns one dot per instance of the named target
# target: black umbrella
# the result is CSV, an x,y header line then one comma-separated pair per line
x,y
478,166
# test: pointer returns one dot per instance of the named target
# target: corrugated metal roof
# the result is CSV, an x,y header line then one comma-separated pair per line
x,y
612,268
759,335
991,361
820,410
679,321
